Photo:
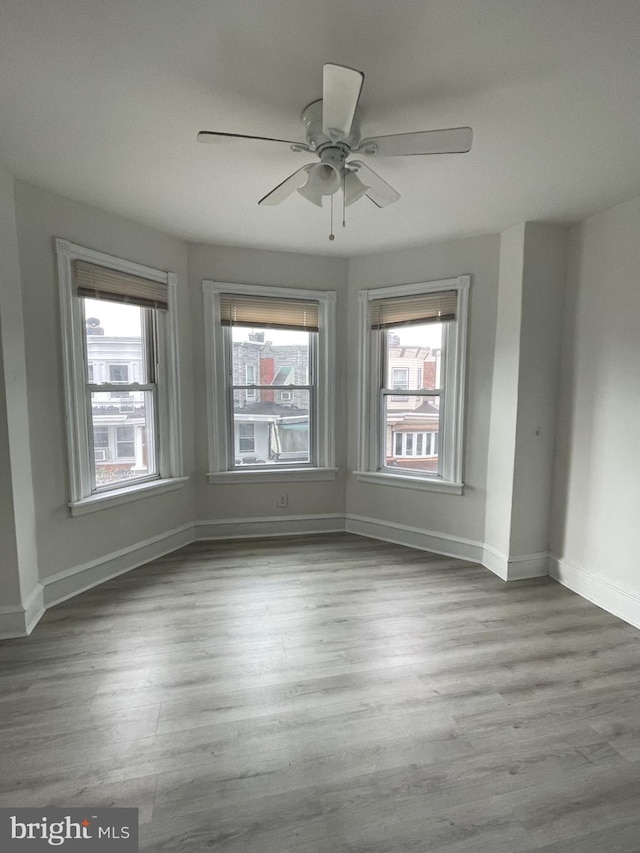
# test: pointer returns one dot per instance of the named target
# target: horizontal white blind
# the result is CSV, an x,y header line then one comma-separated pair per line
x,y
413,310
261,311
96,282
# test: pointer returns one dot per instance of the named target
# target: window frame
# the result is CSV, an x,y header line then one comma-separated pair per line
x,y
371,430
219,416
83,498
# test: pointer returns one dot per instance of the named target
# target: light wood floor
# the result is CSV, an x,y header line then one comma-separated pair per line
x,y
330,694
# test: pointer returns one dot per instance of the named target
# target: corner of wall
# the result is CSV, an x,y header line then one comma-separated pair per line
x,y
19,585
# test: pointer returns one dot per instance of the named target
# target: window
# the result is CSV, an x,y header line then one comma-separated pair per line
x,y
123,427
418,444
125,442
117,372
413,340
283,339
250,393
400,381
246,438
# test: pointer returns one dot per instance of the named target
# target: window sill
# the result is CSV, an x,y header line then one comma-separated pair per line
x,y
286,475
106,500
420,483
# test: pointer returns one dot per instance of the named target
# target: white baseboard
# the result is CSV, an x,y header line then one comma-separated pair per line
x,y
415,537
34,608
495,561
515,568
614,598
259,528
528,566
13,622
20,620
71,582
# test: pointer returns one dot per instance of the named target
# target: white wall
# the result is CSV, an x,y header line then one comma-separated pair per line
x,y
504,393
544,275
596,510
216,502
461,517
65,542
533,263
18,554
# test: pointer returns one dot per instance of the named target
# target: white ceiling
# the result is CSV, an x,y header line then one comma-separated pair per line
x,y
101,100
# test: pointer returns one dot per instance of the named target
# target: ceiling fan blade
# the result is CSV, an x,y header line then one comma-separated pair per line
x,y
341,89
214,136
455,140
380,192
288,186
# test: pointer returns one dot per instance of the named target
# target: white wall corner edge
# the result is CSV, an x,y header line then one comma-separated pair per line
x,y
614,598
21,619
515,568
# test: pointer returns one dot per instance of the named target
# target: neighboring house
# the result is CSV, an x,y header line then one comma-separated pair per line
x,y
413,438
119,434
271,425
413,422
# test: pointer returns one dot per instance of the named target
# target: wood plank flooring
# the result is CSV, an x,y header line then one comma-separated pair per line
x,y
330,694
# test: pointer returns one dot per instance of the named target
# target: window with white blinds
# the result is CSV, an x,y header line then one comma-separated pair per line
x,y
413,348
121,378
270,375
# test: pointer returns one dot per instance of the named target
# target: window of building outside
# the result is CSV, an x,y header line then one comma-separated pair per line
x,y
120,372
123,413
271,403
250,393
120,339
246,438
414,341
400,381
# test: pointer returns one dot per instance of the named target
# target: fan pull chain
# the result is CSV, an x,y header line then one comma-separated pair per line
x,y
344,198
332,236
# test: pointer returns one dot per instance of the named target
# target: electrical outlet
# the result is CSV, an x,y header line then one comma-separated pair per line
x,y
283,500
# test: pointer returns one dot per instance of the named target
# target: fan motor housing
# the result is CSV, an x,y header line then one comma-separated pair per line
x,y
317,140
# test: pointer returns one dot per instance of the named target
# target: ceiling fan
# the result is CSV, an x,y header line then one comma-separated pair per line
x,y
333,133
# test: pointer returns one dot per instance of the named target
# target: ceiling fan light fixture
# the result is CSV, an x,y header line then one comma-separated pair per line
x,y
324,179
312,194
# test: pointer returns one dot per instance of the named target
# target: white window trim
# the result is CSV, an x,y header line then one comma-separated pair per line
x,y
169,423
216,397
134,492
369,417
